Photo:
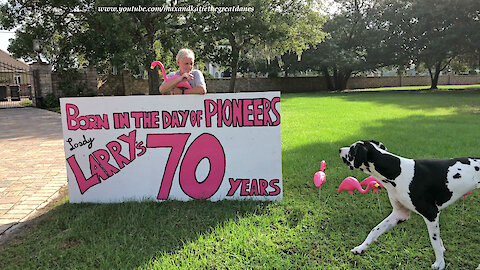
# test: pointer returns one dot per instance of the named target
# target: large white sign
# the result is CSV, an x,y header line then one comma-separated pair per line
x,y
215,146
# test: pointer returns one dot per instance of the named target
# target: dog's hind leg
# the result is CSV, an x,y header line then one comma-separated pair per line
x,y
399,215
437,244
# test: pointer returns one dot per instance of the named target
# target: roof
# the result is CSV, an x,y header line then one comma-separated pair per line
x,y
8,63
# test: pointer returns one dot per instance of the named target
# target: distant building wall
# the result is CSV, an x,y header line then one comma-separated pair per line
x,y
14,76
122,84
287,85
86,79
45,81
373,82
315,84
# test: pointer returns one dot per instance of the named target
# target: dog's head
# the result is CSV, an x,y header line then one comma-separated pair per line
x,y
357,154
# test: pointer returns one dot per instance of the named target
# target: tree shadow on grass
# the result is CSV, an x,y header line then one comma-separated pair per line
x,y
463,101
121,235
306,230
316,231
343,221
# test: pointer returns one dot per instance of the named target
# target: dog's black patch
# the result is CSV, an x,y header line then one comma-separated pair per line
x,y
477,168
463,160
386,164
390,182
359,155
456,176
428,188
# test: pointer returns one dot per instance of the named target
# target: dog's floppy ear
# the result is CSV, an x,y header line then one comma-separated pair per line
x,y
360,155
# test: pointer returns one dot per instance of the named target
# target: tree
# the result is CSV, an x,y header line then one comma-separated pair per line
x,y
55,25
353,44
367,34
441,33
133,38
433,32
270,27
77,29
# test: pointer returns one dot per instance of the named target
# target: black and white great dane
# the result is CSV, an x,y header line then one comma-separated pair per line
x,y
424,186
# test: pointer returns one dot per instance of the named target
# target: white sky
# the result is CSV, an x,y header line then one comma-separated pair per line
x,y
4,37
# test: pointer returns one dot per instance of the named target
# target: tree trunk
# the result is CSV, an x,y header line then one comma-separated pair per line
x,y
153,78
343,82
234,66
340,79
328,79
345,76
153,81
335,79
434,77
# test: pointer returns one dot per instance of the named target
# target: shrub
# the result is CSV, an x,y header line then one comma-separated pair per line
x,y
26,103
51,101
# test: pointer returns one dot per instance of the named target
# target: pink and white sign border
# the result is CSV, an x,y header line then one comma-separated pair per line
x,y
215,147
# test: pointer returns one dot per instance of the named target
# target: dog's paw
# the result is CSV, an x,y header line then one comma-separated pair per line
x,y
438,265
359,250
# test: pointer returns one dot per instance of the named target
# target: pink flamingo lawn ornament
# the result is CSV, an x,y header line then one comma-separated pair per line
x,y
181,84
350,184
369,179
320,177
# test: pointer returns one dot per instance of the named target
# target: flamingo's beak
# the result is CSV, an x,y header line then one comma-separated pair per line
x,y
377,186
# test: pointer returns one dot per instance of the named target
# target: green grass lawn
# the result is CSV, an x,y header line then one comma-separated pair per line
x,y
301,232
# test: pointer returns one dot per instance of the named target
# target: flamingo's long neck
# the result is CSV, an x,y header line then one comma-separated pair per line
x,y
369,186
366,190
163,71
322,166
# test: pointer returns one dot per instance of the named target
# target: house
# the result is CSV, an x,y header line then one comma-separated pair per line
x,y
214,69
14,77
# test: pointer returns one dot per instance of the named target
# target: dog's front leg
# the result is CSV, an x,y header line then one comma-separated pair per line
x,y
437,244
396,217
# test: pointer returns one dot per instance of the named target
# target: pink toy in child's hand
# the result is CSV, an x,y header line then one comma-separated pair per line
x,y
369,179
350,184
319,178
181,84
